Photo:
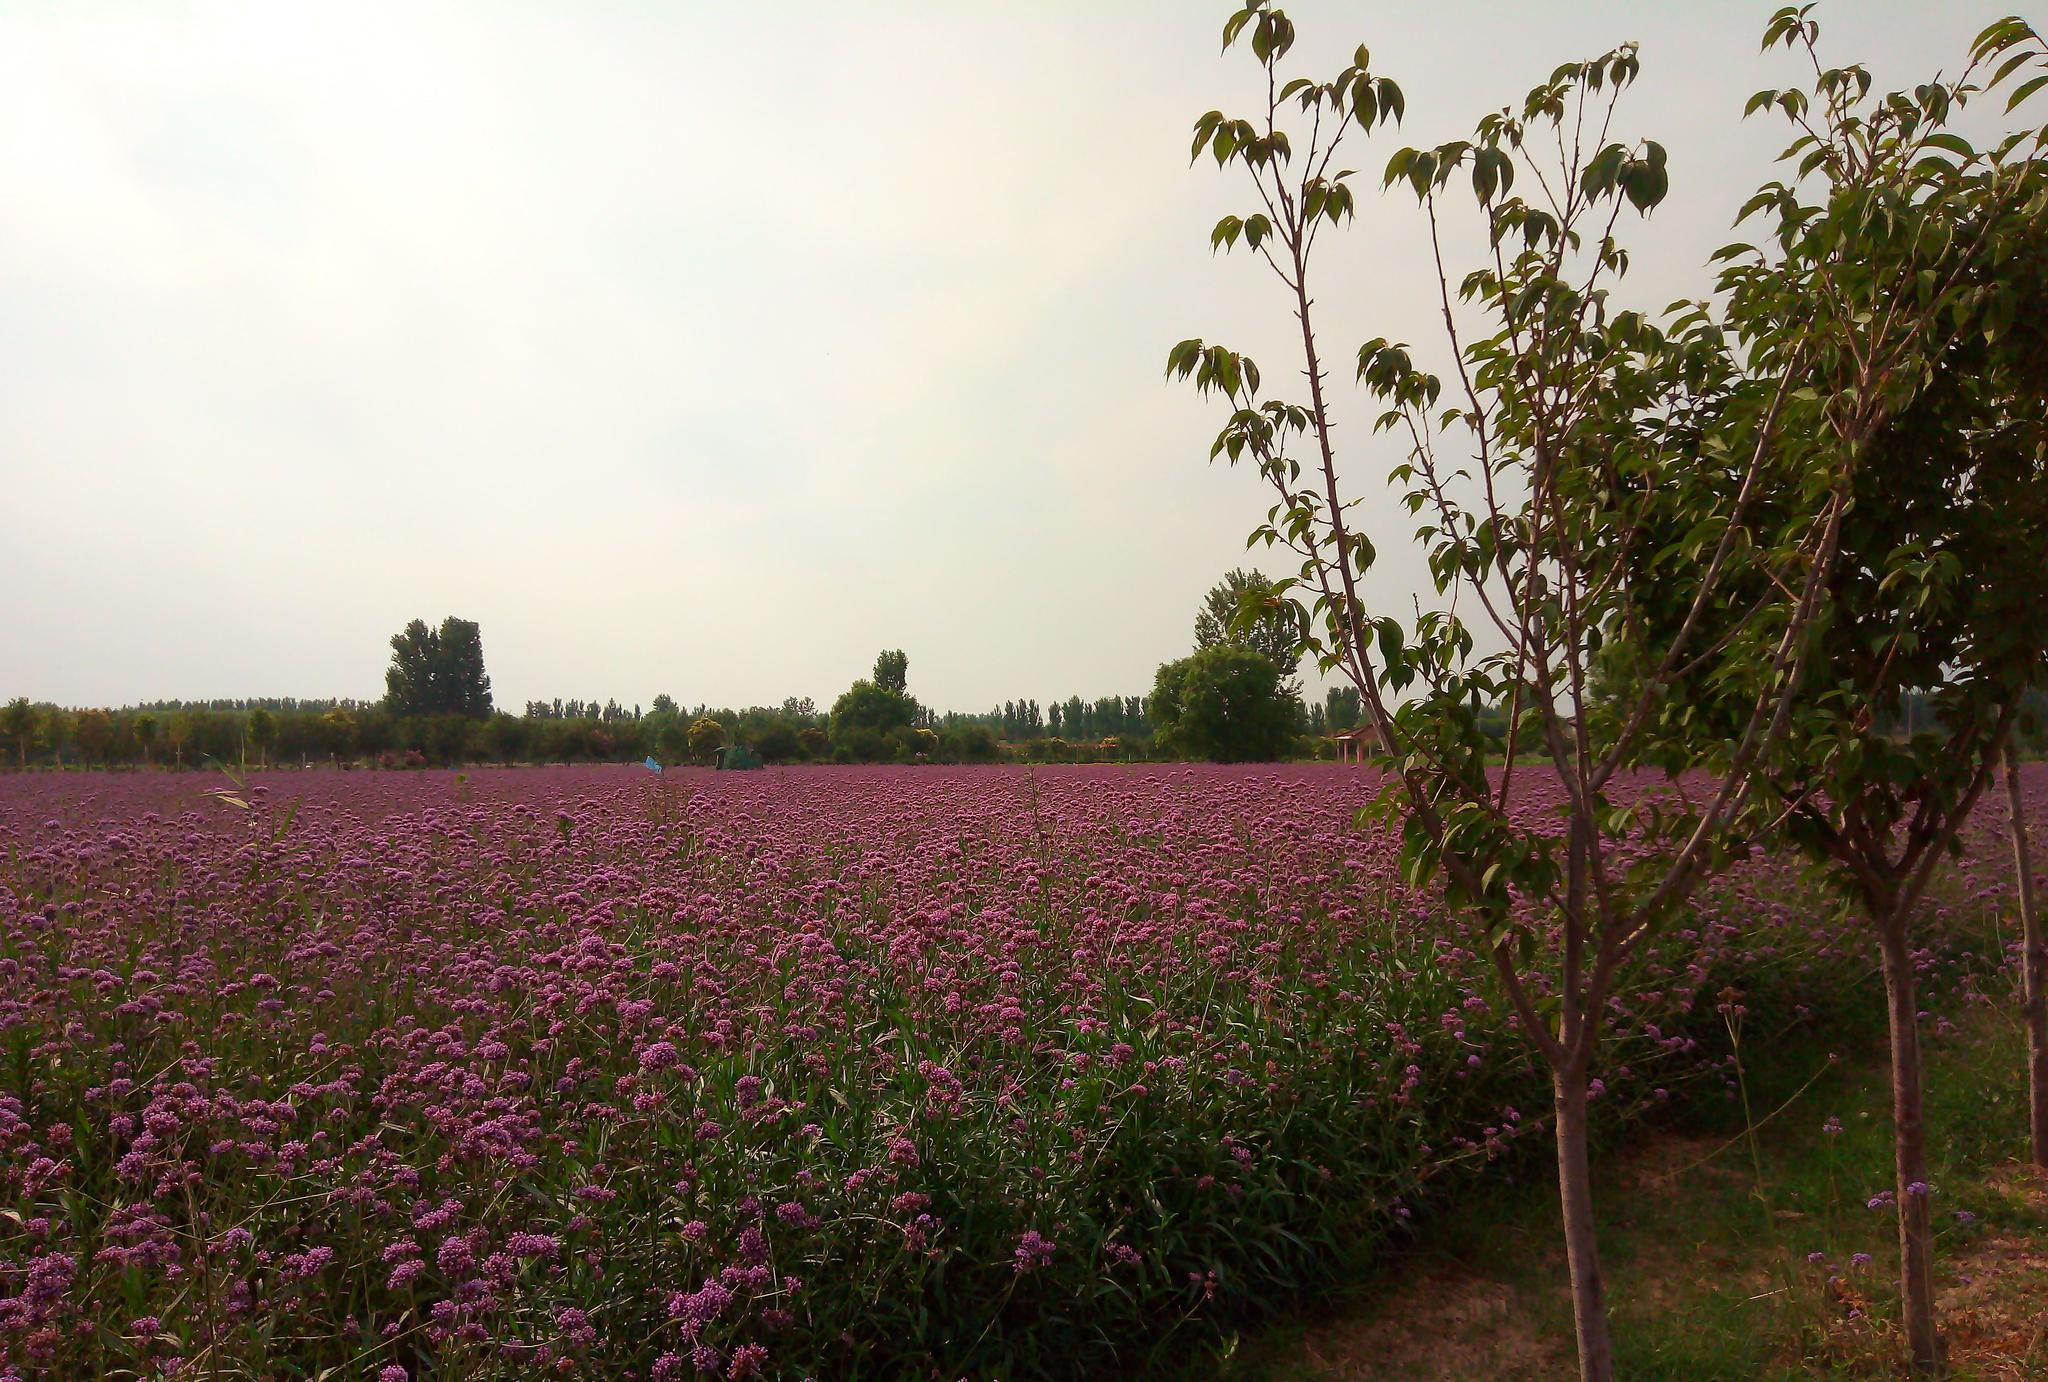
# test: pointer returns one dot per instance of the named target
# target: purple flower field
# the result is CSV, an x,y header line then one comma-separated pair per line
x,y
822,1072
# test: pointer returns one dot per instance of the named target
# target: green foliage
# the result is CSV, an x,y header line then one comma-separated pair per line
x,y
1224,704
1590,466
1697,486
18,720
438,672
262,729
94,732
866,716
1246,609
1343,707
892,671
706,738
774,737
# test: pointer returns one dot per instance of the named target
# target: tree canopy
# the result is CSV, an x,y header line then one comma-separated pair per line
x,y
1247,610
438,671
1225,704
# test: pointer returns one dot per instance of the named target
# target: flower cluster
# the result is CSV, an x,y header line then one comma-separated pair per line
x,y
956,1072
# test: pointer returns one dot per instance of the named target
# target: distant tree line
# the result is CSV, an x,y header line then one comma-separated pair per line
x,y
437,709
1232,699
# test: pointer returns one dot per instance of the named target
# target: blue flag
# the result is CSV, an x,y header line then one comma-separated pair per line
x,y
652,766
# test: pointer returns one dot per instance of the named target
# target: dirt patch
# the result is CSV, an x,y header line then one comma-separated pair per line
x,y
1995,1316
1990,1301
1445,1325
1452,1322
1995,1309
1665,1159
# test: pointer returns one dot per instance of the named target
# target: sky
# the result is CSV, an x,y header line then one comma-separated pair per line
x,y
709,349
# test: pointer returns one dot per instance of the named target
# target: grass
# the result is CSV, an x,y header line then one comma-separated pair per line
x,y
1707,1227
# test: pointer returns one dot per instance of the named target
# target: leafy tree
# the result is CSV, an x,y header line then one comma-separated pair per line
x,y
1948,527
18,723
892,671
438,671
178,732
707,737
664,704
56,726
1342,706
1585,469
262,732
872,712
461,686
927,742
93,731
504,737
338,732
814,741
666,732
1225,704
145,726
1932,616
775,738
409,682
971,743
1245,608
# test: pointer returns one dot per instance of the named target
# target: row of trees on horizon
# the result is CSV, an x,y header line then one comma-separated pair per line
x,y
438,708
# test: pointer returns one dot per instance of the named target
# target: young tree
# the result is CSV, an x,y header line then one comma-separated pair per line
x,y
94,732
2034,945
707,737
178,731
1937,607
1586,470
18,723
262,727
892,671
145,727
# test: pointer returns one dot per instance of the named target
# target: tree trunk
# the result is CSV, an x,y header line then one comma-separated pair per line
x,y
2034,950
1909,1151
1582,1251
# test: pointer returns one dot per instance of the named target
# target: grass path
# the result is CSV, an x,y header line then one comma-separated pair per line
x,y
1728,1256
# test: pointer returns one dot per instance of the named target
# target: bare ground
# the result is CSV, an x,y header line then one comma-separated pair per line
x,y
1453,1320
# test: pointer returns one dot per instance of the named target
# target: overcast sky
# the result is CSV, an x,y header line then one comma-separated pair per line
x,y
707,349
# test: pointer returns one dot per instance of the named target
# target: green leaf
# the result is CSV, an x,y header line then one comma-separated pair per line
x,y
2026,89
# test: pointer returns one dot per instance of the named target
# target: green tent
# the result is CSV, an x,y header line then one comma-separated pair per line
x,y
733,756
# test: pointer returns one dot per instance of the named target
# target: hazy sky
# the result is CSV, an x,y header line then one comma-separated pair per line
x,y
707,349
